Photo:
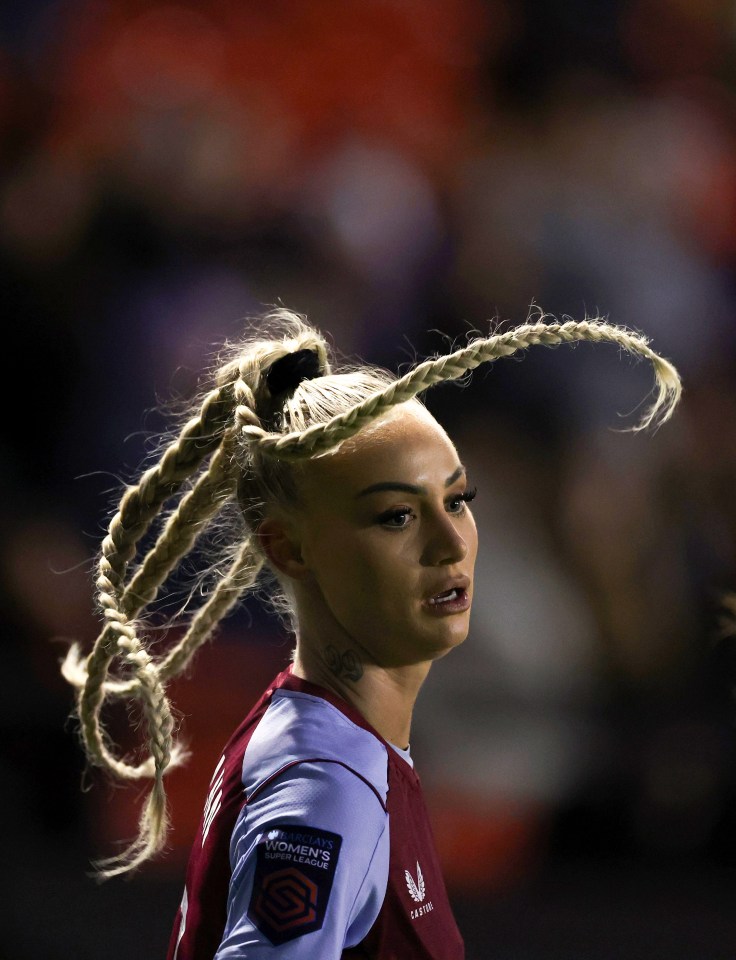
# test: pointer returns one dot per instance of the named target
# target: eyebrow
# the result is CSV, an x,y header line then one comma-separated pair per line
x,y
408,487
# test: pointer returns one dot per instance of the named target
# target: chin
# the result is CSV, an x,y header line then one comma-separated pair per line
x,y
451,640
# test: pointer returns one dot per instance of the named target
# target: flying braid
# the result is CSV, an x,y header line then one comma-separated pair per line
x,y
323,437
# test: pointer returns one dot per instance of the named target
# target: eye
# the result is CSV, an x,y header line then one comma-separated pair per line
x,y
456,503
396,518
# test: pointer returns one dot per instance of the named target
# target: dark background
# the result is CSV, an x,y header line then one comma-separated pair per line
x,y
404,173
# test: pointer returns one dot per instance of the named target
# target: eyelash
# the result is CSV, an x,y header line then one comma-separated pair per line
x,y
465,497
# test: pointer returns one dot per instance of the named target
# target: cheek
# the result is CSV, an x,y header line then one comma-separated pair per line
x,y
472,541
336,561
360,576
372,573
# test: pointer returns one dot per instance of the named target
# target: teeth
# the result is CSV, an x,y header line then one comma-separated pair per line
x,y
445,597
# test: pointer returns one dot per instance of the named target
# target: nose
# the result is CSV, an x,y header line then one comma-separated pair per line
x,y
445,544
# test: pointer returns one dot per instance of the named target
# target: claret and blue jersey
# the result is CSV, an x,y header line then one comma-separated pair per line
x,y
314,842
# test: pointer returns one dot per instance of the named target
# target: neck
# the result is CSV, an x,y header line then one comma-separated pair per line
x,y
385,696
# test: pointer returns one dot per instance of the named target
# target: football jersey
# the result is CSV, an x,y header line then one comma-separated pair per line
x,y
315,842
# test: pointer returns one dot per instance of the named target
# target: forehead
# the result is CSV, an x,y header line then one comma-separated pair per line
x,y
406,445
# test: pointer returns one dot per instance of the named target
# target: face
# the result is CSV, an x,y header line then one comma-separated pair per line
x,y
388,540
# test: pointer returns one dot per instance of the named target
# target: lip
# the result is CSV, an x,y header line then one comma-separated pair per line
x,y
451,583
460,604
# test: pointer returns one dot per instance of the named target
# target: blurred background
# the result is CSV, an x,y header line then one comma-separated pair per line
x,y
406,174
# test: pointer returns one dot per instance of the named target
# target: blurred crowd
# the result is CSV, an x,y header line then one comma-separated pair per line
x,y
406,174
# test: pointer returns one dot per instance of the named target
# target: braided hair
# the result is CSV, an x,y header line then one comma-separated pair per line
x,y
277,399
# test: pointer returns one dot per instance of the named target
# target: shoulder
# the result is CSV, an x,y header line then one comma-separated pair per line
x,y
300,727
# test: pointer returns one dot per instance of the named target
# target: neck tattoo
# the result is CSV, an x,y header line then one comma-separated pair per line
x,y
345,665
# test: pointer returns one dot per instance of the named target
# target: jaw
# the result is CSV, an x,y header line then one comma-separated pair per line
x,y
382,641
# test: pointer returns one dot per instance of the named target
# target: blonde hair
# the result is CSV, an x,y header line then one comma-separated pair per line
x,y
241,442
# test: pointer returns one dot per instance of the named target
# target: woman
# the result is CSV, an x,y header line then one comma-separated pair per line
x,y
314,840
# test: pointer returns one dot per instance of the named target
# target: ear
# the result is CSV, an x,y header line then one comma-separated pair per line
x,y
280,544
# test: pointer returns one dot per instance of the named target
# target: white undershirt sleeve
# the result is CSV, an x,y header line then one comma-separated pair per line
x,y
281,888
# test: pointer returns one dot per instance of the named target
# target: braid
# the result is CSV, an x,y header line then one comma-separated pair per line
x,y
204,500
240,577
154,821
142,503
138,508
207,436
201,436
195,509
322,437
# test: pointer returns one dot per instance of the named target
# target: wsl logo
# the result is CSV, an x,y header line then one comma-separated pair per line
x,y
417,891
295,867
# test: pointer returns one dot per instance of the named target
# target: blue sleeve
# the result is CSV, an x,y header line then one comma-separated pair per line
x,y
309,861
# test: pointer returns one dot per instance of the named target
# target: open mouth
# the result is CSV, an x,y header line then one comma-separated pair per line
x,y
447,597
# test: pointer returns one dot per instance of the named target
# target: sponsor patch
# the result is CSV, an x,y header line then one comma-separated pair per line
x,y
295,867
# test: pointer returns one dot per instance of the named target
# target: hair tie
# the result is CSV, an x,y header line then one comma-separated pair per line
x,y
288,371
